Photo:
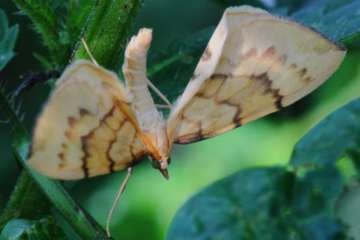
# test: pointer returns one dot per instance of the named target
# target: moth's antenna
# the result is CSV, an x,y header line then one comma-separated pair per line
x,y
88,51
157,91
162,106
116,201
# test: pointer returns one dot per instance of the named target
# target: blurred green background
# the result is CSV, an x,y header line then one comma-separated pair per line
x,y
150,202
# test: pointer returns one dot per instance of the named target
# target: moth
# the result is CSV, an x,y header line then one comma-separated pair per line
x,y
254,64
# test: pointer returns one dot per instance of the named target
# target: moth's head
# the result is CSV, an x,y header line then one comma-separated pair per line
x,y
161,165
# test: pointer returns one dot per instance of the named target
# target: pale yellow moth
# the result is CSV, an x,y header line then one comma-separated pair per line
x,y
254,64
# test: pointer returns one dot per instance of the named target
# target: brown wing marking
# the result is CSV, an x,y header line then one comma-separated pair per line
x,y
86,140
254,64
87,127
266,82
226,101
104,147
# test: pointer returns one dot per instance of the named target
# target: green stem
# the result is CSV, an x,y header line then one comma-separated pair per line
x,y
164,63
21,204
45,22
107,31
81,222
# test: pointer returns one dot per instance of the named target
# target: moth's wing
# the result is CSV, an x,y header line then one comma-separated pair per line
x,y
87,127
254,64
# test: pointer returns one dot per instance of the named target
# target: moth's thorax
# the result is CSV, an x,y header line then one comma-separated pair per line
x,y
158,147
157,142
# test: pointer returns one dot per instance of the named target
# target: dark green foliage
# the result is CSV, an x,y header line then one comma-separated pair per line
x,y
172,68
267,203
337,136
74,24
8,37
80,221
46,24
289,6
230,3
26,195
15,228
336,19
275,203
106,31
42,229
91,19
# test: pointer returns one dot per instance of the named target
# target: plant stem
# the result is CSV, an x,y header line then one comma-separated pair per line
x,y
81,222
21,204
106,32
46,23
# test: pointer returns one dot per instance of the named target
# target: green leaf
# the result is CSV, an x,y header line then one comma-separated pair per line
x,y
79,220
107,30
7,110
276,204
220,211
44,228
289,6
60,24
46,22
25,196
8,36
172,68
230,3
348,209
76,20
263,203
333,138
15,228
337,19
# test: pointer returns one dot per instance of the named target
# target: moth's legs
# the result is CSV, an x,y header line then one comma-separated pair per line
x,y
87,49
116,201
31,79
159,93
